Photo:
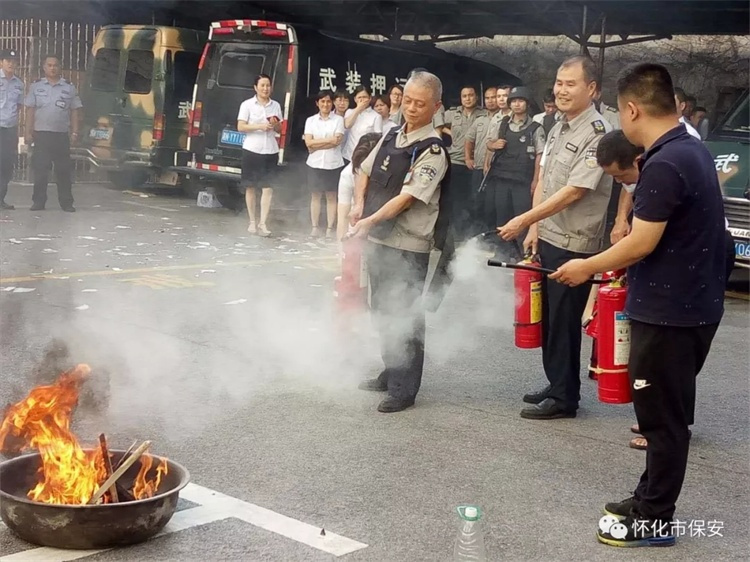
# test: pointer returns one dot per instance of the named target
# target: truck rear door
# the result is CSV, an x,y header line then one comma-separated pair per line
x,y
122,86
236,53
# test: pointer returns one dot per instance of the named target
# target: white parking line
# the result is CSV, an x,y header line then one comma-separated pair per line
x,y
272,521
214,506
157,207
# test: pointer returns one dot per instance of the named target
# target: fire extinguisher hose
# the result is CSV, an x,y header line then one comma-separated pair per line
x,y
544,270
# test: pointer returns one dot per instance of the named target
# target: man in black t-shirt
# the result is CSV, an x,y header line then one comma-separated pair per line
x,y
676,276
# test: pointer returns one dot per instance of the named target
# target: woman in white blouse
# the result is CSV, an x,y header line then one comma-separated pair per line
x,y
395,95
360,121
348,177
324,133
260,119
381,105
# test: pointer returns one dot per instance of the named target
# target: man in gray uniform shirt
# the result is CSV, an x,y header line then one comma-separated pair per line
x,y
52,121
567,221
458,121
11,100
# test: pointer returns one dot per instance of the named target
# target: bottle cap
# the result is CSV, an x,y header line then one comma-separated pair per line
x,y
469,512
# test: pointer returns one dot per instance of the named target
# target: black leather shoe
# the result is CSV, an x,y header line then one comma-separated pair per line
x,y
536,397
37,208
374,385
391,404
547,409
620,509
5,206
70,209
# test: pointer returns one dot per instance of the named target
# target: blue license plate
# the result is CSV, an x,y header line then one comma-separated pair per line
x,y
234,138
742,249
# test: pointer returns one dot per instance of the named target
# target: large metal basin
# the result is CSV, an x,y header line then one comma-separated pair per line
x,y
85,526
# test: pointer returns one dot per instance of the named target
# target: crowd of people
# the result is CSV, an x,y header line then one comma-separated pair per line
x,y
545,184
587,187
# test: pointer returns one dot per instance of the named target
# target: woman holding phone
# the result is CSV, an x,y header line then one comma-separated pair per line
x,y
260,119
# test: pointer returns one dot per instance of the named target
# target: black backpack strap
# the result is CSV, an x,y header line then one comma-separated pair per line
x,y
504,124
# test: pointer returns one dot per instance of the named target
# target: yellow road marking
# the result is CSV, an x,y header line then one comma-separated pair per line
x,y
164,281
105,272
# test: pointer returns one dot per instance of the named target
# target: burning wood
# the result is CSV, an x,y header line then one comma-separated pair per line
x,y
70,474
108,465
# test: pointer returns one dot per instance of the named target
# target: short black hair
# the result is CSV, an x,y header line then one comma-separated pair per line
x,y
651,85
365,145
505,87
340,93
261,77
698,108
549,96
680,93
322,94
385,98
51,56
615,147
361,88
469,87
587,63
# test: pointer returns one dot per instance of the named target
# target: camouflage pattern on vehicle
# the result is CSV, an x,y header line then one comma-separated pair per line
x,y
136,101
729,144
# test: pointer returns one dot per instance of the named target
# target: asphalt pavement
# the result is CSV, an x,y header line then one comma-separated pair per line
x,y
224,350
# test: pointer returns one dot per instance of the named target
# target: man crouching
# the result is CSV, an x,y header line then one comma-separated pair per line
x,y
396,205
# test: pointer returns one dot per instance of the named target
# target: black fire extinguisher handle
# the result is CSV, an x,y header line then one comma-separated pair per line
x,y
527,267
544,270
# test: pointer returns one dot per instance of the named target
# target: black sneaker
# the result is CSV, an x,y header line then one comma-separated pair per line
x,y
36,207
634,531
69,209
620,509
5,206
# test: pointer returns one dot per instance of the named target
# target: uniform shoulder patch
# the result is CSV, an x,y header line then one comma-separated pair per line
x,y
435,148
612,109
427,172
598,126
590,158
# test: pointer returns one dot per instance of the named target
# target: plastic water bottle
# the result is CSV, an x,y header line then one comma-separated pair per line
x,y
470,539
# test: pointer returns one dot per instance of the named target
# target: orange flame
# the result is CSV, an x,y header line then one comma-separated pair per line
x,y
144,488
69,474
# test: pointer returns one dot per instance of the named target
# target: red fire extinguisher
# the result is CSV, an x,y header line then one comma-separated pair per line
x,y
350,288
612,342
528,314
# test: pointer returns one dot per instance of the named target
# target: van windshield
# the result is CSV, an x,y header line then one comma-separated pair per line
x,y
739,120
238,69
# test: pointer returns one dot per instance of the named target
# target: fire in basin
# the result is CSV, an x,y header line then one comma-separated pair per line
x,y
67,496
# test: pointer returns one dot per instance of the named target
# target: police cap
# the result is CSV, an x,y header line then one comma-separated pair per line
x,y
519,92
8,54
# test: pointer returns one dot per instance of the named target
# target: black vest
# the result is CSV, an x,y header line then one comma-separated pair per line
x,y
548,121
516,161
387,179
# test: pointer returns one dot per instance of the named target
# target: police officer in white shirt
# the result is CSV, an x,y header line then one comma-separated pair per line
x,y
324,133
52,120
260,119
11,101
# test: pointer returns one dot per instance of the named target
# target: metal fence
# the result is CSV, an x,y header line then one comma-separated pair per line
x,y
32,39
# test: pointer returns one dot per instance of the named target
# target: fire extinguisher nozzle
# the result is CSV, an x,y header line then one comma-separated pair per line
x,y
496,263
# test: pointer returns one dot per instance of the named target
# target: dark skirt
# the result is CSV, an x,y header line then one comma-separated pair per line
x,y
319,180
258,170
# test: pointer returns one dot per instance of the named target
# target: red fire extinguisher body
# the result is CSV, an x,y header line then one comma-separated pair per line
x,y
350,288
613,345
528,312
